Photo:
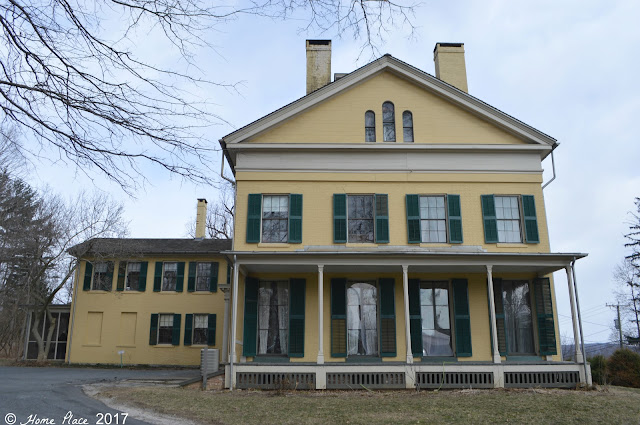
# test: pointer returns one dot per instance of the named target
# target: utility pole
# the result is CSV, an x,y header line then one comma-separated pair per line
x,y
619,325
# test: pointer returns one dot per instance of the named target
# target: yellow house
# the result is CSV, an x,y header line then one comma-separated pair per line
x,y
390,232
148,301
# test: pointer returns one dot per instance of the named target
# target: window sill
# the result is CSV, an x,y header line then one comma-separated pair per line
x,y
207,292
165,346
167,292
98,291
125,346
435,244
131,292
273,245
92,345
511,245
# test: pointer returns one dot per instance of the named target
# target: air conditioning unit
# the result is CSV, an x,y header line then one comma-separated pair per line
x,y
213,360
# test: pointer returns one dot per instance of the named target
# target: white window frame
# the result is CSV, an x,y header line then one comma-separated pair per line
x,y
373,206
160,315
520,218
446,216
376,285
95,272
206,329
262,219
286,349
127,287
164,265
210,263
451,315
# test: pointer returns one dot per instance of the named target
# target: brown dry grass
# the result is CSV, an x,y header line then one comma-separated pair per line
x,y
613,406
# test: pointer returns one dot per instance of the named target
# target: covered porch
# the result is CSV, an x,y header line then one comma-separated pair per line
x,y
437,319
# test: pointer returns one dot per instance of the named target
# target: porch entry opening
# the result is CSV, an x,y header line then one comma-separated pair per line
x,y
273,317
362,319
435,315
518,319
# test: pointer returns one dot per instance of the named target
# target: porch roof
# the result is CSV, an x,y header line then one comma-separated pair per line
x,y
385,261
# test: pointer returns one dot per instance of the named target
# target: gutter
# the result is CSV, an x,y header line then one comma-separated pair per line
x,y
73,311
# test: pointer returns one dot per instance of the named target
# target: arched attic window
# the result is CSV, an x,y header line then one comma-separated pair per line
x,y
369,126
388,122
407,126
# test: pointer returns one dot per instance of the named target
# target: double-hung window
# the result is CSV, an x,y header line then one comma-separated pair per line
x,y
435,319
274,218
169,276
509,219
513,313
165,328
203,276
102,276
273,317
200,329
133,276
360,218
434,219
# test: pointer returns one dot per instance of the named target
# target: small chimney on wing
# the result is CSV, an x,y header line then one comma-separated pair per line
x,y
201,218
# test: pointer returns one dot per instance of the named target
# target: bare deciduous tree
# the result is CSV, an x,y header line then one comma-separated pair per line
x,y
70,75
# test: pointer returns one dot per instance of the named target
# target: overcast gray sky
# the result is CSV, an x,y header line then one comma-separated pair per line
x,y
568,68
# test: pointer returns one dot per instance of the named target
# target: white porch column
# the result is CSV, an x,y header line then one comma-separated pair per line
x,y
225,326
234,323
576,336
492,312
320,314
407,324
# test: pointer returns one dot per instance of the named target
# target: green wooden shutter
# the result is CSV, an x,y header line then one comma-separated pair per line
x,y
462,320
295,218
213,277
530,220
339,218
157,277
175,331
142,278
254,214
211,330
153,330
297,291
228,273
250,333
122,271
413,218
455,219
500,317
415,320
88,272
110,266
544,313
338,317
382,218
188,328
387,317
489,219
191,280
180,277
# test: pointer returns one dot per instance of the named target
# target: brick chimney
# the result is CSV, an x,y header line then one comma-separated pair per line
x,y
318,64
201,218
450,66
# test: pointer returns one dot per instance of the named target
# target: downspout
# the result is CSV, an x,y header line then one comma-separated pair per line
x,y
222,171
73,312
575,287
553,166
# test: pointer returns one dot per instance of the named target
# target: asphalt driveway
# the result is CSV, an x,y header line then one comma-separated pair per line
x,y
51,393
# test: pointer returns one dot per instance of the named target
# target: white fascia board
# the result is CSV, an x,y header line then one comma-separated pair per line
x,y
444,147
402,69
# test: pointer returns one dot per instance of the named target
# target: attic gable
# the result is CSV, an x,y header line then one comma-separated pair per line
x,y
391,69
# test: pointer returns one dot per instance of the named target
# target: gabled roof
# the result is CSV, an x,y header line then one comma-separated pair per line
x,y
404,70
115,247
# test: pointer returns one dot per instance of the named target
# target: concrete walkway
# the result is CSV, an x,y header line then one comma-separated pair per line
x,y
52,392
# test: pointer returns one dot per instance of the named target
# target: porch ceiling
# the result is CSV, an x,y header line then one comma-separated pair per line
x,y
392,261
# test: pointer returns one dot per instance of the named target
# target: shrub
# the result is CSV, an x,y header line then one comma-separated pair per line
x,y
598,369
623,368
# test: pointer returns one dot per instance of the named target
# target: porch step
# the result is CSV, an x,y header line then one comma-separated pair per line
x,y
370,380
562,379
276,380
454,379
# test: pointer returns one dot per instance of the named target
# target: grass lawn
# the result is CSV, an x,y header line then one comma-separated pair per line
x,y
611,406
